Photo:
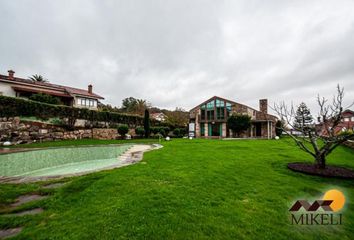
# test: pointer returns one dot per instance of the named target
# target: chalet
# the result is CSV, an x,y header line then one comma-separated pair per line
x,y
159,116
209,118
19,87
347,123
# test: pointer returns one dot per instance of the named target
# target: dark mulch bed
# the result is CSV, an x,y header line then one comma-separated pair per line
x,y
329,171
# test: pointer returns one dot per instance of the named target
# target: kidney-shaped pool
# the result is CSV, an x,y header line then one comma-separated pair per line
x,y
61,161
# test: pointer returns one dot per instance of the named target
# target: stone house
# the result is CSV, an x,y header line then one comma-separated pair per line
x,y
19,87
209,119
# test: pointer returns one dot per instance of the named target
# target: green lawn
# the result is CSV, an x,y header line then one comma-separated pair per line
x,y
190,189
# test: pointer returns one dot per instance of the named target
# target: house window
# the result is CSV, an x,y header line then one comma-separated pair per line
x,y
210,110
202,112
210,105
228,109
220,109
86,102
352,117
346,119
202,129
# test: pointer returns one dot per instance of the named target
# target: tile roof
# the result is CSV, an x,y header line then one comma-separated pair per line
x,y
67,91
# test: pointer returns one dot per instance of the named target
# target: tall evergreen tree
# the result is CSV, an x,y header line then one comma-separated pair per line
x,y
147,123
303,118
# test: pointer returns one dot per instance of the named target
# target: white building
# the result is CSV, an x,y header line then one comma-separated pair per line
x,y
12,86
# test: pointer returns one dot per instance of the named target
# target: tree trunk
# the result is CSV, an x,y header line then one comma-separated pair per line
x,y
321,161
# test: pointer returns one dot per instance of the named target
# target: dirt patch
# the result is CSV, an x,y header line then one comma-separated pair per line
x,y
11,232
27,198
329,171
24,213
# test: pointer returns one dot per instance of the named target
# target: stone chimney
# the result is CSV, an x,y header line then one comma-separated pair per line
x,y
89,88
11,74
263,105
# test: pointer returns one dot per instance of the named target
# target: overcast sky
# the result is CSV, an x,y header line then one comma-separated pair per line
x,y
181,52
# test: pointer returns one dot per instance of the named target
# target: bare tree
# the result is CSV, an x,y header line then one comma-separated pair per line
x,y
321,141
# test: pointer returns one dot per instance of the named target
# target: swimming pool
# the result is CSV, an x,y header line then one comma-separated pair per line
x,y
61,161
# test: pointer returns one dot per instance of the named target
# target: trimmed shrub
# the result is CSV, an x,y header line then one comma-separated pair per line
x,y
122,130
140,131
45,98
177,132
183,131
165,131
155,130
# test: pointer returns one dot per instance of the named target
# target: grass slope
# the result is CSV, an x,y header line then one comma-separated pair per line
x,y
199,189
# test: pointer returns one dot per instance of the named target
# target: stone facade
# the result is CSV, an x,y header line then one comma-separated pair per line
x,y
16,131
213,115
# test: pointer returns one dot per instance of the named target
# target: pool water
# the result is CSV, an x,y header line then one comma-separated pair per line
x,y
60,161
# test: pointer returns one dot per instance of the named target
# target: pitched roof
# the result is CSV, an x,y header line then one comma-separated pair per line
x,y
81,92
260,116
65,90
212,98
348,111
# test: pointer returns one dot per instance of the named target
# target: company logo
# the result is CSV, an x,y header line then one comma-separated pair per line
x,y
320,212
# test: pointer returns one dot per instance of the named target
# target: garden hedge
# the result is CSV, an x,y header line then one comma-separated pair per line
x,y
18,107
12,107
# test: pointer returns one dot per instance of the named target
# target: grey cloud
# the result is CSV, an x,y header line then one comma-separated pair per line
x,y
178,53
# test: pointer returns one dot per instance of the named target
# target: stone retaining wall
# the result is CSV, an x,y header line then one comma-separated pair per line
x,y
16,131
104,133
349,144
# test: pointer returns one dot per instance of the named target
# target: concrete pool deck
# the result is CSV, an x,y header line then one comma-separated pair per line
x,y
132,155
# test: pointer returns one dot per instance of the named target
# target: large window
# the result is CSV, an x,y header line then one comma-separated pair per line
x,y
220,109
210,110
228,109
202,129
210,105
202,112
86,102
216,109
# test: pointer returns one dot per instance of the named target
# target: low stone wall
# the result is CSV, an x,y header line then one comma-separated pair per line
x,y
16,131
104,133
349,144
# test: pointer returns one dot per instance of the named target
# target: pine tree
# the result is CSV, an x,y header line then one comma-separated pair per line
x,y
303,119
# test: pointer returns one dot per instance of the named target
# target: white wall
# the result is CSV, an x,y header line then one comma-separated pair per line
x,y
78,104
6,90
